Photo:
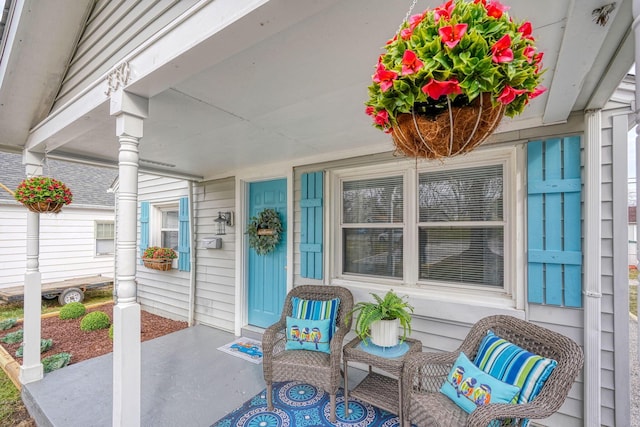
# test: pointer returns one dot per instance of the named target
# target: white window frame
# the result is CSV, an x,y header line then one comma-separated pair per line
x,y
510,296
155,224
95,237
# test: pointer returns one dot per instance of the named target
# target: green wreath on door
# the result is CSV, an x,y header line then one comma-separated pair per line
x,y
265,231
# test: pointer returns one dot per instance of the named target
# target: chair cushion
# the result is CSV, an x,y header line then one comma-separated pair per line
x,y
303,334
316,310
514,365
468,386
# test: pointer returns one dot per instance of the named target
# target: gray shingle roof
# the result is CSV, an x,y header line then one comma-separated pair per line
x,y
88,183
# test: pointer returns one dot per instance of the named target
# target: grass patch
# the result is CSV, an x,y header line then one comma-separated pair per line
x,y
92,296
633,300
10,401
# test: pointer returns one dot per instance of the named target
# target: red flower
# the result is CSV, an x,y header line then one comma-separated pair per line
x,y
415,20
527,30
509,94
501,50
435,89
370,111
537,92
495,9
537,59
528,53
443,11
392,40
451,35
484,2
410,63
384,77
382,118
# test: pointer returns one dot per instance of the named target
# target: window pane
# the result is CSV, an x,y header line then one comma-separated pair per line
x,y
104,247
472,255
377,200
170,219
105,230
170,240
372,251
461,195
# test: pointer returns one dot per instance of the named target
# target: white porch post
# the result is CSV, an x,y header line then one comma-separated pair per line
x,y
31,369
592,278
129,110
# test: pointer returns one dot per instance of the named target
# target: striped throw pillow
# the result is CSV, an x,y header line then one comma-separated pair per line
x,y
316,310
514,365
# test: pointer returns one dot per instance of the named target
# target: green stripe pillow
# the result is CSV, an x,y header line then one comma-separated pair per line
x,y
514,365
316,310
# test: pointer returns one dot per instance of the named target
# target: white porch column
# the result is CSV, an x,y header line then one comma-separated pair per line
x,y
31,369
129,110
592,278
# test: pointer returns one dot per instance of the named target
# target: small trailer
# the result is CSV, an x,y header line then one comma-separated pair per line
x,y
70,290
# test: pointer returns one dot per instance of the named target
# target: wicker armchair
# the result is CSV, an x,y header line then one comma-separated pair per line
x,y
319,369
424,374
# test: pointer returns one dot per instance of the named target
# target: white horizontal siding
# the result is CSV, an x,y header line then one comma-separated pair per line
x,y
215,272
67,244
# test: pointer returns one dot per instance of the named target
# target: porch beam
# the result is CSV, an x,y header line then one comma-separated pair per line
x,y
129,111
31,369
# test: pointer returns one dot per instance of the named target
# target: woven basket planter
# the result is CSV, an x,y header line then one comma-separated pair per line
x,y
44,207
454,131
162,264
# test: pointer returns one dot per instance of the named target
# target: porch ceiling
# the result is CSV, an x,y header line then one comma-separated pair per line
x,y
288,82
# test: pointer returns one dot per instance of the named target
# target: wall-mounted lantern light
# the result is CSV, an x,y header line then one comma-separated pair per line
x,y
224,219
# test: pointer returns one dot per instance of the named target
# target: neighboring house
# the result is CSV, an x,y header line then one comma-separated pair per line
x,y
78,241
230,106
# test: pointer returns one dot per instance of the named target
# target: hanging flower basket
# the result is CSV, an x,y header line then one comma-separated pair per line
x,y
157,258
264,231
450,74
162,264
42,194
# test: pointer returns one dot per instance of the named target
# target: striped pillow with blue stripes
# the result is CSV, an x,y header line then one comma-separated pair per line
x,y
514,365
316,310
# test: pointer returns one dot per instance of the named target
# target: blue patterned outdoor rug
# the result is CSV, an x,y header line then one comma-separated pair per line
x,y
297,404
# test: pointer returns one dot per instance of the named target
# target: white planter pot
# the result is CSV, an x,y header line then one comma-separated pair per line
x,y
385,332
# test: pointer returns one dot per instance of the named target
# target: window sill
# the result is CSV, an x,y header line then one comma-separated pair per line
x,y
454,305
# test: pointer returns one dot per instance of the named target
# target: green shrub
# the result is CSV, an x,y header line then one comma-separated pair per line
x,y
95,320
72,310
111,332
13,337
7,324
44,346
56,361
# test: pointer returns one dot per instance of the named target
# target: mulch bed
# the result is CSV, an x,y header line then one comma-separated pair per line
x,y
68,337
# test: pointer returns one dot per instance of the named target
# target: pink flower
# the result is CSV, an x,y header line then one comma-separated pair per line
x,y
443,11
528,53
370,111
406,33
435,89
451,35
414,21
384,77
537,92
495,9
537,59
381,118
526,30
501,50
509,94
410,63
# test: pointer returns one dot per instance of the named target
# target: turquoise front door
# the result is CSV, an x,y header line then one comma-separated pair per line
x,y
267,279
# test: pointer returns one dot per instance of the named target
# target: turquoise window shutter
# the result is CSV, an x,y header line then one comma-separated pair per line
x,y
311,225
144,227
553,222
184,259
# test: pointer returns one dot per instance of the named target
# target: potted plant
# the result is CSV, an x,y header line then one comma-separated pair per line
x,y
380,320
158,258
42,194
450,74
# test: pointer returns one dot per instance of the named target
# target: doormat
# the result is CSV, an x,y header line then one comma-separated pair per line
x,y
244,348
297,404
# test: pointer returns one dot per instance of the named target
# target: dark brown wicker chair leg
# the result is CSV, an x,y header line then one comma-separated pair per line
x,y
270,397
332,416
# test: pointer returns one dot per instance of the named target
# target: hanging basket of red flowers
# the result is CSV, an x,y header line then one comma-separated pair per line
x,y
43,194
450,74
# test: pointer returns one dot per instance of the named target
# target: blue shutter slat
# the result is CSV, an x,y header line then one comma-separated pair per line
x,y
184,259
144,227
535,275
554,250
311,225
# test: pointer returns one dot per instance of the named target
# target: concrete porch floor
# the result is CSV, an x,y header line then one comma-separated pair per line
x,y
186,381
